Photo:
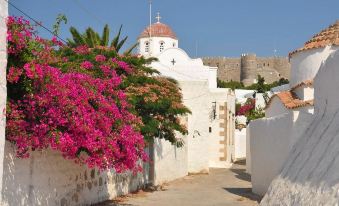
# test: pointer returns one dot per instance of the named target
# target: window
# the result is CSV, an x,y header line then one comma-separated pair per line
x,y
173,44
162,44
146,46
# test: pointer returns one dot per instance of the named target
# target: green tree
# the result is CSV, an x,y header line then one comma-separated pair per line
x,y
56,27
92,39
155,99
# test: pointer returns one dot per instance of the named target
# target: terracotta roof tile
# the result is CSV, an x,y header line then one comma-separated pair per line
x,y
304,83
290,100
158,30
328,36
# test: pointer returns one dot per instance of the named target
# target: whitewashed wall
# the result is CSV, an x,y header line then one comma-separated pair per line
x,y
170,162
248,150
276,108
240,144
48,179
196,98
305,65
271,140
3,90
310,176
154,45
305,92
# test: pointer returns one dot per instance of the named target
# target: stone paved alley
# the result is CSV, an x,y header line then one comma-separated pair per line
x,y
222,187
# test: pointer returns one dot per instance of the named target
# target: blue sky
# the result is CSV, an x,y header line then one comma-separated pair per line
x,y
217,27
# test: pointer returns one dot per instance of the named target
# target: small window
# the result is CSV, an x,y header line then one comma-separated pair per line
x,y
173,44
268,64
146,46
162,46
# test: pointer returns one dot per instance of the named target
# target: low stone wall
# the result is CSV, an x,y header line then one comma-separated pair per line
x,y
46,178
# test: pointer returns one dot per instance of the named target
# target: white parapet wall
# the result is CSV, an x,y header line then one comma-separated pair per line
x,y
240,144
271,140
170,162
46,178
310,175
3,90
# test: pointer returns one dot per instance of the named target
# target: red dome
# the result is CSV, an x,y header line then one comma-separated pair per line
x,y
158,30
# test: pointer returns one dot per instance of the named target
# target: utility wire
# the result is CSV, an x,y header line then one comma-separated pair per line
x,y
88,12
38,23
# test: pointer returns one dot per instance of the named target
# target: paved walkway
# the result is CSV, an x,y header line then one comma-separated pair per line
x,y
222,187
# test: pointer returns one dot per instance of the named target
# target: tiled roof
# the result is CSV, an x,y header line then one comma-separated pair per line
x,y
329,36
304,83
290,100
158,30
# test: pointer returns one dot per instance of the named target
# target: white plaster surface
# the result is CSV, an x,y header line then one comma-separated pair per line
x,y
170,162
248,150
196,95
275,108
305,92
154,45
310,176
3,89
48,179
271,140
240,144
260,101
184,68
305,65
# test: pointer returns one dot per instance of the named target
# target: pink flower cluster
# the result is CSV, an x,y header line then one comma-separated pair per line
x,y
86,65
122,65
248,106
87,119
100,58
18,34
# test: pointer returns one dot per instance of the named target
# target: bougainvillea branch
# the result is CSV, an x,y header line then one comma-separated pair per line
x,y
86,118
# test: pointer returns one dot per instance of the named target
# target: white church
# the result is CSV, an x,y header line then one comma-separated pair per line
x,y
210,142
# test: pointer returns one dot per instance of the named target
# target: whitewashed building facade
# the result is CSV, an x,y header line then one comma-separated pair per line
x,y
289,112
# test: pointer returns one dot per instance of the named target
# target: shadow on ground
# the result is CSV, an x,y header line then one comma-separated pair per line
x,y
111,203
244,192
241,174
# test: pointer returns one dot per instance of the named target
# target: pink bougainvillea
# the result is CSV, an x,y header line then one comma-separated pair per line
x,y
87,119
87,65
248,106
100,58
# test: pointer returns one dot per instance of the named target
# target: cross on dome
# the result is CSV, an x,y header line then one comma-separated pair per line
x,y
158,17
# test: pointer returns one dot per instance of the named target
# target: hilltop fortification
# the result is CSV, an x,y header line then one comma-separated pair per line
x,y
246,68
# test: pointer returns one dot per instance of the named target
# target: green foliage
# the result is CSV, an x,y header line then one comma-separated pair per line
x,y
92,39
256,113
231,84
260,86
156,100
56,27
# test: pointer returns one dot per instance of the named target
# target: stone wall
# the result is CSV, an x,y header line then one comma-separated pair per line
x,y
228,68
237,69
3,90
46,178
